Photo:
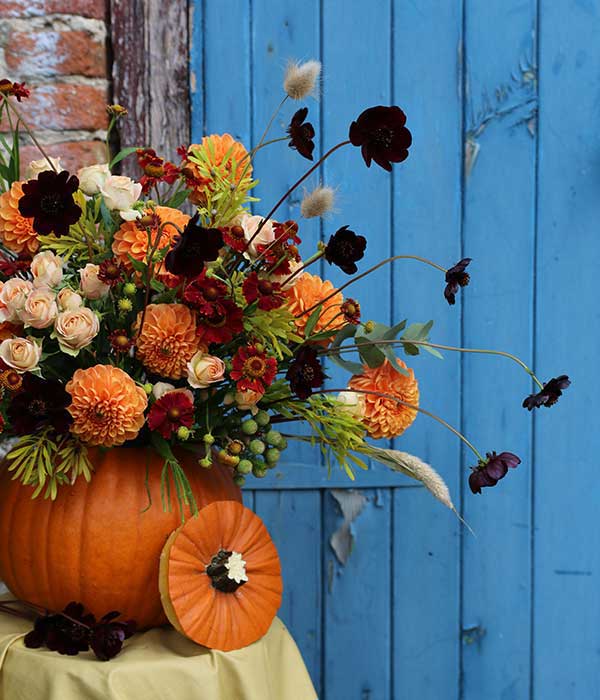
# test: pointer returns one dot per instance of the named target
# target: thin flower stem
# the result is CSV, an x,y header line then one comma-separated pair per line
x,y
372,269
414,408
293,187
308,263
19,116
452,348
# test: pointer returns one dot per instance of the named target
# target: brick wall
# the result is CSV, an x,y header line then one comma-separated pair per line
x,y
59,48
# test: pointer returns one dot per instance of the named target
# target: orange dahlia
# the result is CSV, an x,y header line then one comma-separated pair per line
x,y
167,340
308,291
132,239
214,149
16,231
107,406
386,418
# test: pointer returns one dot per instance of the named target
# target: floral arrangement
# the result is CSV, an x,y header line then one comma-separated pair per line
x,y
127,320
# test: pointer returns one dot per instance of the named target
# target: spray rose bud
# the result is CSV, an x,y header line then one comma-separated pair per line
x,y
22,354
47,269
91,286
40,308
120,193
204,370
92,178
75,330
68,300
40,166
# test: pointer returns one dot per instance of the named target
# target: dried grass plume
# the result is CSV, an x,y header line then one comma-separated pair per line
x,y
317,203
301,79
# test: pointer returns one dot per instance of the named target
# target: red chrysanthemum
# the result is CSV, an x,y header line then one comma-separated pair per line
x,y
252,369
111,271
120,341
155,169
351,310
205,294
18,90
268,294
235,238
172,411
222,325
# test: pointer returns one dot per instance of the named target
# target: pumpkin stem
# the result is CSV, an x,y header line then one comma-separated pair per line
x,y
227,571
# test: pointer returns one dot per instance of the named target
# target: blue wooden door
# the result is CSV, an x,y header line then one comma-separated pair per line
x,y
503,99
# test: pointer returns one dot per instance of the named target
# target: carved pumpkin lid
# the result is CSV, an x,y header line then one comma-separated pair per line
x,y
220,577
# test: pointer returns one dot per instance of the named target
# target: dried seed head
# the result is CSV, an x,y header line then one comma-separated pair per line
x,y
317,203
301,79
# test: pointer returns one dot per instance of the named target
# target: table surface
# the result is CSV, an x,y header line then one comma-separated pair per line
x,y
159,664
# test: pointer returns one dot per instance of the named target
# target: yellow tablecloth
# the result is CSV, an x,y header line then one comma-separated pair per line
x,y
159,664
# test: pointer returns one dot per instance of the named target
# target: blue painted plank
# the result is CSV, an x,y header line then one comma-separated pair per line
x,y
357,633
567,441
293,519
498,227
426,218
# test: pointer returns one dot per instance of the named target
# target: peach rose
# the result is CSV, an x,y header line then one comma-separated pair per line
x,y
204,370
120,193
250,224
22,354
92,178
12,298
68,300
247,400
76,329
46,269
91,286
40,308
36,167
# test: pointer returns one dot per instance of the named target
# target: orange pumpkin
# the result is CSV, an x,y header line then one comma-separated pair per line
x,y
98,542
220,577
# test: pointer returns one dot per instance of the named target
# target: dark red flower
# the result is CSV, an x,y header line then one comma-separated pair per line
x,y
18,90
11,267
277,255
235,238
344,249
549,395
205,294
66,632
173,410
222,325
302,134
195,246
456,277
120,341
268,294
252,369
48,200
490,470
10,379
305,372
381,135
111,271
40,403
351,310
107,636
155,169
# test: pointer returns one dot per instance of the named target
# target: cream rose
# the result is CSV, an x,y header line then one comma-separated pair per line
x,y
91,286
250,225
162,388
119,194
76,329
40,166
247,400
12,298
22,354
352,403
204,370
68,300
92,178
40,308
47,269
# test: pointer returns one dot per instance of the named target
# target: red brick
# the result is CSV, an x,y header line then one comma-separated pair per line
x,y
96,9
73,154
66,106
47,52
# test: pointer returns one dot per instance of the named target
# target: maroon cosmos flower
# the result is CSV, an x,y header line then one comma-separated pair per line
x,y
107,635
48,200
490,470
382,136
172,411
195,246
456,277
305,372
301,134
344,249
266,293
549,395
59,633
40,403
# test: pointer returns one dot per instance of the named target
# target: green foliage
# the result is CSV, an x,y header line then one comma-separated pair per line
x,y
45,460
275,329
9,157
172,470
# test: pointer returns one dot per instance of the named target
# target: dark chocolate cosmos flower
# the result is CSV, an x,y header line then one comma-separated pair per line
x,y
489,471
305,373
456,277
344,249
48,200
549,395
381,135
107,636
41,403
301,134
194,247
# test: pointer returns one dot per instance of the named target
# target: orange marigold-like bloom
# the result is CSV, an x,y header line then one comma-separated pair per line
x,y
16,231
386,418
167,340
132,239
107,406
310,290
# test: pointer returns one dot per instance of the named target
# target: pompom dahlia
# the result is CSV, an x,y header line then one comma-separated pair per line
x,y
311,290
